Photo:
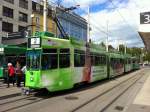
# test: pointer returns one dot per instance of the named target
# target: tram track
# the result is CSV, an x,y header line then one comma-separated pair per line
x,y
18,103
118,96
135,78
27,101
14,100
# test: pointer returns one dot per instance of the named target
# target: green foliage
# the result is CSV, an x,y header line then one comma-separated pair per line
x,y
122,48
146,57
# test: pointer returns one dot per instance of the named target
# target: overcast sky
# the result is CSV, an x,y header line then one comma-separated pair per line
x,y
122,17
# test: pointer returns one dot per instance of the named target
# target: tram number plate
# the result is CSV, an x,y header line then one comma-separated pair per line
x,y
35,43
145,18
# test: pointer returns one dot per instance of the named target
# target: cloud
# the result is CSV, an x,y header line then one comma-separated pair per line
x,y
122,17
123,22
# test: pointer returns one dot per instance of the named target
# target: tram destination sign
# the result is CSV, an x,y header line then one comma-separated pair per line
x,y
145,18
34,42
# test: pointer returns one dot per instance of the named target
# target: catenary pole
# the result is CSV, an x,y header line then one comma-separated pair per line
x,y
45,16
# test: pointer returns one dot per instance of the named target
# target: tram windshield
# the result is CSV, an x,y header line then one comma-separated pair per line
x,y
33,60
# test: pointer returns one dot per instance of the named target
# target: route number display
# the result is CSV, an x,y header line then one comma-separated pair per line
x,y
145,18
34,42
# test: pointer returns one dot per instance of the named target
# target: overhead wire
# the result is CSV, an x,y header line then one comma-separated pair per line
x,y
98,28
135,32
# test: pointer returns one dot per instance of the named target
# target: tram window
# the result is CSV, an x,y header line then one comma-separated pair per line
x,y
64,58
128,61
92,60
103,60
33,59
97,62
64,51
82,59
49,61
49,50
79,58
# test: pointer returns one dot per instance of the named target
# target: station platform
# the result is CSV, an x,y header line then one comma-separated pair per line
x,y
8,92
141,103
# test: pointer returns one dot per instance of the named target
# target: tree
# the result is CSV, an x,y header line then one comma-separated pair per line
x,y
111,47
122,48
102,44
146,57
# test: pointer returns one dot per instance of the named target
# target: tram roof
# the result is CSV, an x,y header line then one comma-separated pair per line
x,y
127,55
49,41
11,49
116,55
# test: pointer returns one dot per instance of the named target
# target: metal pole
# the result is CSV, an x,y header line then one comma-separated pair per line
x,y
88,27
118,45
107,37
45,15
125,50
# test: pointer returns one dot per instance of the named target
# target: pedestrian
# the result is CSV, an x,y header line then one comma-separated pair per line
x,y
23,72
11,74
18,74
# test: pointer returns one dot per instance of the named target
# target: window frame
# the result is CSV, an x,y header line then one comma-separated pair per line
x,y
10,1
23,17
65,52
50,52
8,12
80,54
23,4
8,27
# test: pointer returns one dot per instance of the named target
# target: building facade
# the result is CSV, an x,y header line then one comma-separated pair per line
x,y
37,19
14,16
73,24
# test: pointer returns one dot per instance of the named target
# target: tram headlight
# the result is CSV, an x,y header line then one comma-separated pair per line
x,y
31,78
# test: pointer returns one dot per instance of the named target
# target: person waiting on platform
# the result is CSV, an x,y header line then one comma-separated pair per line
x,y
11,74
18,74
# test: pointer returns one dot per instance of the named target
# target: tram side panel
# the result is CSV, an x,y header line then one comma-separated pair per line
x,y
128,65
116,66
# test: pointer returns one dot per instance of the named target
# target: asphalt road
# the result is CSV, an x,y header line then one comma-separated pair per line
x,y
105,96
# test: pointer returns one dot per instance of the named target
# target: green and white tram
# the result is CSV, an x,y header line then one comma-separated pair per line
x,y
135,63
58,64
116,64
128,63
